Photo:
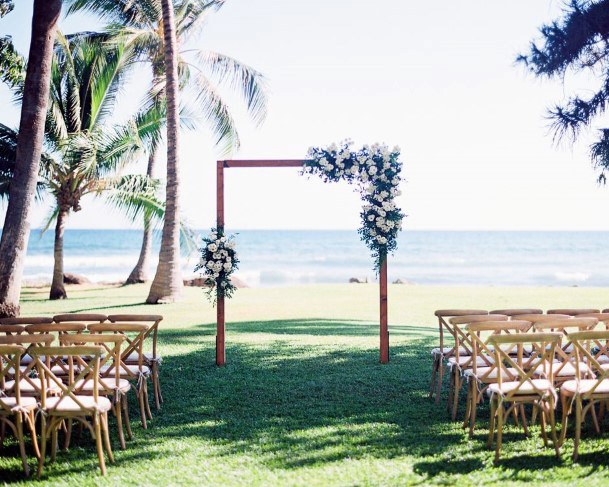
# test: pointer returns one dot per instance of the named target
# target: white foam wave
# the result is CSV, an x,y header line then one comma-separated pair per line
x,y
572,276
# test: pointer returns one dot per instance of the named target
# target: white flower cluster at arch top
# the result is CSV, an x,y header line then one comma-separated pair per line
x,y
218,261
376,171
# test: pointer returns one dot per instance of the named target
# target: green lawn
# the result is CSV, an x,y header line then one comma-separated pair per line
x,y
303,400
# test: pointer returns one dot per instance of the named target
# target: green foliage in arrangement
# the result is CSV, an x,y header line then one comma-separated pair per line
x,y
376,172
578,42
303,400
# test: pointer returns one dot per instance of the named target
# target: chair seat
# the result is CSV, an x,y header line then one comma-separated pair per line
x,y
525,389
436,351
582,386
66,404
125,371
108,385
481,373
31,386
568,369
467,361
149,357
11,403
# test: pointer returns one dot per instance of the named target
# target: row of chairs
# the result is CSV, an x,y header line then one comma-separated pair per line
x,y
521,356
95,363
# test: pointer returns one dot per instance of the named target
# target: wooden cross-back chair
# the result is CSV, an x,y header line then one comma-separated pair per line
x,y
152,358
590,386
457,364
138,373
566,366
529,388
447,348
60,367
25,320
110,383
29,382
91,410
480,376
12,329
15,409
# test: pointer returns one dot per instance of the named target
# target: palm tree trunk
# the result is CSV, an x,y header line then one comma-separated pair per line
x,y
167,284
15,233
58,290
140,271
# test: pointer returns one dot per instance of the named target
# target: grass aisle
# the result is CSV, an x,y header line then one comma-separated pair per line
x,y
303,400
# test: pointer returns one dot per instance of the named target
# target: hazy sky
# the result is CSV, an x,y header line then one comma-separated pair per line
x,y
436,78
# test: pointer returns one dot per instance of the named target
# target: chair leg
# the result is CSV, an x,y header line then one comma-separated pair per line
x,y
156,386
553,429
524,420
597,428
104,427
66,443
98,442
457,388
31,420
491,428
19,426
440,379
118,412
125,404
542,417
578,427
54,430
147,401
140,397
499,432
43,444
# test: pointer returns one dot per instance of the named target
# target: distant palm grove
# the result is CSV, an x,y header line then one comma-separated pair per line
x,y
69,144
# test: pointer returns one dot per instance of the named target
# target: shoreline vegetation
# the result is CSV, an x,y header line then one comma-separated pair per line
x,y
303,399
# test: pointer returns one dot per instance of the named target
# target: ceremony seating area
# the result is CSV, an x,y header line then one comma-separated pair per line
x,y
76,368
523,361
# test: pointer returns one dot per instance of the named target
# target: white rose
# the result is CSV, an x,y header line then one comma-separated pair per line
x,y
209,264
370,218
212,247
228,266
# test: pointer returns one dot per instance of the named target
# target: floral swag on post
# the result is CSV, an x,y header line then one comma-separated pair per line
x,y
218,262
376,172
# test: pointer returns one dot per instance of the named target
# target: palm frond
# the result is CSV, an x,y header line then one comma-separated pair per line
x,y
135,196
49,220
128,12
250,83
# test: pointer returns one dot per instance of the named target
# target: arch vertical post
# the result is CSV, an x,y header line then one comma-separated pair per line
x,y
220,316
383,328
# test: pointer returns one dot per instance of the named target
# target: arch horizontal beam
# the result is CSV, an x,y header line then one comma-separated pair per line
x,y
263,163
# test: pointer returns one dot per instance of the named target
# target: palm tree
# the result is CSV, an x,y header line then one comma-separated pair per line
x,y
84,155
141,24
15,232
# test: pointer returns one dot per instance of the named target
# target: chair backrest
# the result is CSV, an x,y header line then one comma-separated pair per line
x,y
589,347
516,311
12,329
565,353
135,335
480,333
80,371
80,317
109,365
151,320
25,320
58,328
535,318
601,317
571,311
538,362
457,328
28,343
10,359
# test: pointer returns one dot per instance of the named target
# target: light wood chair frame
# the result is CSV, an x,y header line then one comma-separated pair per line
x,y
153,361
478,378
52,417
133,344
588,347
541,356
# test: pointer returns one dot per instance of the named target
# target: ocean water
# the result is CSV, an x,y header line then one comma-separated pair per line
x,y
281,258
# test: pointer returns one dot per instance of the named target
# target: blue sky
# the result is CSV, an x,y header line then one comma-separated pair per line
x,y
436,78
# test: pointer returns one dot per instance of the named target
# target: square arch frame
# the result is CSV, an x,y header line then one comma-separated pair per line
x,y
220,308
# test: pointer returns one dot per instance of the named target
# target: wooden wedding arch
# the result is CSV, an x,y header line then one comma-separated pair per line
x,y
220,309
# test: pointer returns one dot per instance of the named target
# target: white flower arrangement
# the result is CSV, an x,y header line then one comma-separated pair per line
x,y
218,261
376,171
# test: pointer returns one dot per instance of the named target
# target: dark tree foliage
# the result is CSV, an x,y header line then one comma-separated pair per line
x,y
576,42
